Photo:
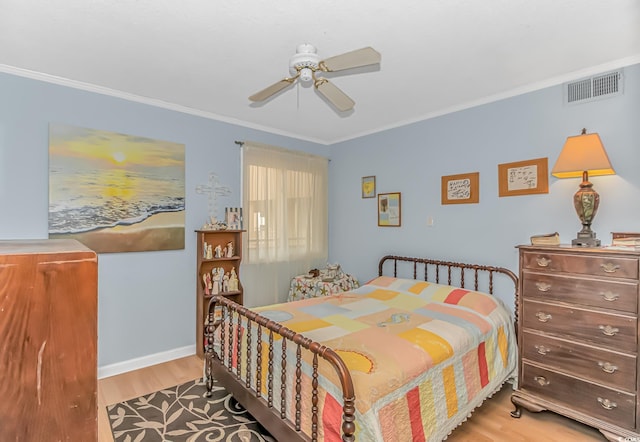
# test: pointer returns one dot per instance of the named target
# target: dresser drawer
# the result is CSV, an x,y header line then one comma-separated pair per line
x,y
608,330
605,367
605,293
599,265
609,405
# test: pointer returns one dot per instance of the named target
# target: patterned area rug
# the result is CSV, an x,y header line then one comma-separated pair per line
x,y
183,414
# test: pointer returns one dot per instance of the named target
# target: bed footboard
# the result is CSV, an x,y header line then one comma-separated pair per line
x,y
223,361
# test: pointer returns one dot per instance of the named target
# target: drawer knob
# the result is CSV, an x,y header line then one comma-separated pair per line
x,y
543,286
542,261
609,268
610,296
607,367
542,349
541,380
607,404
608,330
543,317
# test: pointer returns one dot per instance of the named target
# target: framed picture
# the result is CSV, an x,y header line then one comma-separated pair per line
x,y
389,209
523,177
461,188
233,217
368,187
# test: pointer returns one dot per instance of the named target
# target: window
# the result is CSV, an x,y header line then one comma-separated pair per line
x,y
285,212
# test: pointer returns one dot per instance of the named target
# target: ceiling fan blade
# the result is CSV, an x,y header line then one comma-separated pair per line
x,y
353,59
339,99
273,89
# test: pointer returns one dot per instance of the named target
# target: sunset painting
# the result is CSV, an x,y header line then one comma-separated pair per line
x,y
115,192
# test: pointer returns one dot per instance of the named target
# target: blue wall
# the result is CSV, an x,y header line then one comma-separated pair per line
x,y
412,159
146,300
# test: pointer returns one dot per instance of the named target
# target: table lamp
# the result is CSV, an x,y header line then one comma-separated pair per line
x,y
584,155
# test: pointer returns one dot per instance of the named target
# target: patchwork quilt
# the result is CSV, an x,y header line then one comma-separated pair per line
x,y
422,356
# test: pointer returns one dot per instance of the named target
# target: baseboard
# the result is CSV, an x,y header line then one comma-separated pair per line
x,y
145,361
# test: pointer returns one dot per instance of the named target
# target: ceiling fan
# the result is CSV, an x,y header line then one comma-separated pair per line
x,y
305,64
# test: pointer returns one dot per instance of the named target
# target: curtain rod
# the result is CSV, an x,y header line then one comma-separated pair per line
x,y
241,143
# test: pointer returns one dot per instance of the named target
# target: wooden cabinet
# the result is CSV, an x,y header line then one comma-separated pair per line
x,y
48,341
578,336
211,263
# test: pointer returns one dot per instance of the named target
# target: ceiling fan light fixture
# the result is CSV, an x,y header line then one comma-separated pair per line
x,y
306,57
306,75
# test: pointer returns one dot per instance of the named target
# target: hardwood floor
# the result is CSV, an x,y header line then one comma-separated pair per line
x,y
489,423
136,383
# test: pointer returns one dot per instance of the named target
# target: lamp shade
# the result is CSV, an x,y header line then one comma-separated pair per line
x,y
582,153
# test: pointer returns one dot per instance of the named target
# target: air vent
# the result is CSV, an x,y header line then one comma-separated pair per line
x,y
594,88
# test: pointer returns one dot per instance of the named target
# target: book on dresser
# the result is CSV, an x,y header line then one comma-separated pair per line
x,y
625,239
549,239
219,254
577,311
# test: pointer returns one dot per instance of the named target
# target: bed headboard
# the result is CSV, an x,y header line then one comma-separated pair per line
x,y
456,273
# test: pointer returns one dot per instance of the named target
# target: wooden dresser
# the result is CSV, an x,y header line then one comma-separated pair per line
x,y
48,341
578,336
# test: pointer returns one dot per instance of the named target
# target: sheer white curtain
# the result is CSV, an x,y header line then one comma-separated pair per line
x,y
285,213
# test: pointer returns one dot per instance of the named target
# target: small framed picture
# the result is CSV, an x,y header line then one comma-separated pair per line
x,y
523,177
368,187
389,209
233,218
460,189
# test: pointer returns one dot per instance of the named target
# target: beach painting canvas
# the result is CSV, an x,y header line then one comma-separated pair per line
x,y
115,192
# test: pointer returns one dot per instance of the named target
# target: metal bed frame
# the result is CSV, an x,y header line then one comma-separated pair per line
x,y
222,312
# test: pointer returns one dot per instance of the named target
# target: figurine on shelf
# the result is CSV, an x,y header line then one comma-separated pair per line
x,y
218,251
206,279
215,281
209,254
215,287
229,249
233,280
225,283
205,249
219,276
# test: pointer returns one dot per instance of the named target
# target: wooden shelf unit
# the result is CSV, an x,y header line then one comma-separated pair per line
x,y
205,265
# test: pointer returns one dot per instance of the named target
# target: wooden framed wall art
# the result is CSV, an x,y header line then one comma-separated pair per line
x,y
369,187
461,189
389,209
523,177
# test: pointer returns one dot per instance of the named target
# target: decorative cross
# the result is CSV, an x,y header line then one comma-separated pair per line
x,y
213,190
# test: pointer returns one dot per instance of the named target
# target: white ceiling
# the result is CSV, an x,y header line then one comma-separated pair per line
x,y
208,56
